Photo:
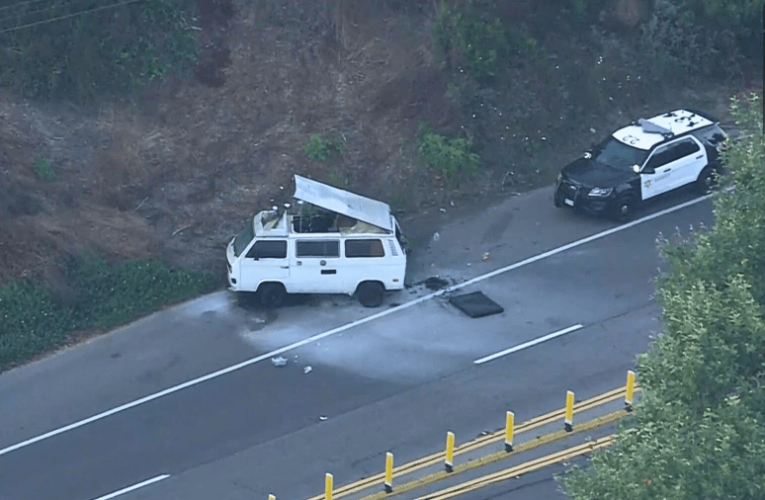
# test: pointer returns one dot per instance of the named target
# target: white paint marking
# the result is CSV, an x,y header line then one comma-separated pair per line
x,y
134,487
348,326
527,344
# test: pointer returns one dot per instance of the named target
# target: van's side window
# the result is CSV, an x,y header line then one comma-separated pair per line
x,y
320,248
268,249
364,248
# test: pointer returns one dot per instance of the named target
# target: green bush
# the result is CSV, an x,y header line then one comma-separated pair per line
x,y
685,37
449,156
319,148
34,320
111,50
43,170
470,37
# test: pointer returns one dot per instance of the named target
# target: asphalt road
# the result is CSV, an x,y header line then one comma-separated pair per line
x,y
397,383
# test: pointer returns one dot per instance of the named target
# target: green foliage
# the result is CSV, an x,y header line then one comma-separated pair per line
x,y
43,170
700,38
699,431
469,36
319,147
450,156
112,50
35,319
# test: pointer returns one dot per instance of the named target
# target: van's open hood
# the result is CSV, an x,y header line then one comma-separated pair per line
x,y
342,202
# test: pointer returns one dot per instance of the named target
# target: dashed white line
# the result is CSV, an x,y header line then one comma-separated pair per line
x,y
134,487
527,344
348,326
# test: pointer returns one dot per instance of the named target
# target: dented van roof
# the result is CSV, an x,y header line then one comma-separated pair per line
x,y
343,202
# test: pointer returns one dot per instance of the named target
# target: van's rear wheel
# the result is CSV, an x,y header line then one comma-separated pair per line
x,y
272,295
370,293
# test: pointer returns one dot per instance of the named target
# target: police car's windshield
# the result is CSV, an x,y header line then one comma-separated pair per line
x,y
618,155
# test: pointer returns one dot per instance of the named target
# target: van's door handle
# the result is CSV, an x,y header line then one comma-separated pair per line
x,y
328,271
285,267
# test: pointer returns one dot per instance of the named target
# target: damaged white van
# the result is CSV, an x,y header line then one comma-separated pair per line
x,y
329,242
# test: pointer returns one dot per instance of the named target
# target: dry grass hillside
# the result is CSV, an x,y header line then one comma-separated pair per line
x,y
174,170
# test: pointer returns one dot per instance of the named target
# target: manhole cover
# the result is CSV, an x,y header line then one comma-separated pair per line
x,y
476,304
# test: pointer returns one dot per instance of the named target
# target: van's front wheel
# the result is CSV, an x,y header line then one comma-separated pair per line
x,y
370,293
272,295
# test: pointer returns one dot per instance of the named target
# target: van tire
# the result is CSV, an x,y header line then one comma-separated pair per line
x,y
370,293
272,295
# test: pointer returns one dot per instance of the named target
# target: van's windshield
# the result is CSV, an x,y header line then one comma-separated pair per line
x,y
243,238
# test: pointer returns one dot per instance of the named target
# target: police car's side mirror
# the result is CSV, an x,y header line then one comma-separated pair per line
x,y
636,169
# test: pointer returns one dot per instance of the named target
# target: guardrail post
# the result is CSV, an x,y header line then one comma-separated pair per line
x,y
509,429
569,422
328,480
629,391
389,472
449,462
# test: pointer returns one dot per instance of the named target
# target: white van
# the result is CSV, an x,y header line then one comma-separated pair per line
x,y
339,242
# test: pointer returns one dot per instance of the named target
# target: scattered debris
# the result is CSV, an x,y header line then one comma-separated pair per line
x,y
322,418
436,236
435,283
307,369
486,256
280,361
443,211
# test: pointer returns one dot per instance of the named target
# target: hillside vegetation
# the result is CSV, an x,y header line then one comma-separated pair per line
x,y
150,130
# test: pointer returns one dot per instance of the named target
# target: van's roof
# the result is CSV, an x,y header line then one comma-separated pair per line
x,y
342,202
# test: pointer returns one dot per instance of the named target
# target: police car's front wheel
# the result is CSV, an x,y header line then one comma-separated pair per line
x,y
625,208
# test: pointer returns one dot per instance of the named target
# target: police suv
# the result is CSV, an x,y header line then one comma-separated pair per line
x,y
643,160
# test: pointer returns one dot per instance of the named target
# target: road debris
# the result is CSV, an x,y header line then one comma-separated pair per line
x,y
322,418
307,369
280,361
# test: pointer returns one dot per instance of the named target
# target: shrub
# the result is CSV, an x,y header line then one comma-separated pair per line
x,y
80,57
319,148
43,170
449,156
472,38
698,38
33,320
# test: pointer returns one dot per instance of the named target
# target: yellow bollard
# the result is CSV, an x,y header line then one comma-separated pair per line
x,y
328,486
388,472
630,390
569,422
449,462
271,497
509,428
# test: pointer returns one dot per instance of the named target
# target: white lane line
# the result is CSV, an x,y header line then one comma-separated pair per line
x,y
348,326
134,487
527,344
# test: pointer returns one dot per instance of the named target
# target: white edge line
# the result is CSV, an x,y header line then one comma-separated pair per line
x,y
528,344
348,326
134,487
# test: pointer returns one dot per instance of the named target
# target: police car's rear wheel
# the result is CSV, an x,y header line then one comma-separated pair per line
x,y
272,295
370,294
706,181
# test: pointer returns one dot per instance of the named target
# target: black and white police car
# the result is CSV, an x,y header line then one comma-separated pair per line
x,y
643,160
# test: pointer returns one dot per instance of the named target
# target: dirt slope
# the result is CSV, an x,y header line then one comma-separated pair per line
x,y
175,172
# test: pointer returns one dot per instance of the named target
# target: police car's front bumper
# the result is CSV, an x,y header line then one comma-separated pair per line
x,y
579,199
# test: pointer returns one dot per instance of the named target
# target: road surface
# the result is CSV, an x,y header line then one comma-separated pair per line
x,y
397,382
